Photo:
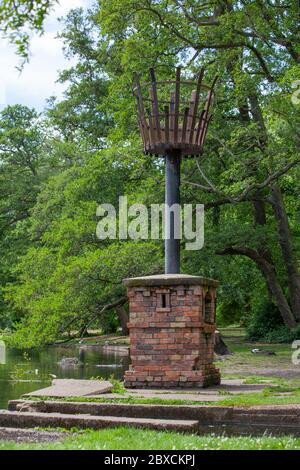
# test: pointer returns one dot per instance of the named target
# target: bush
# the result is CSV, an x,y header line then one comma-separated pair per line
x,y
266,318
283,335
232,312
267,325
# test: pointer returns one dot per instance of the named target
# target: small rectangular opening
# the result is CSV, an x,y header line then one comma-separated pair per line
x,y
163,301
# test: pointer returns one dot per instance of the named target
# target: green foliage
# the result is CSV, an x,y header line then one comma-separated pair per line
x,y
55,275
70,275
266,325
118,386
229,313
283,334
18,18
265,319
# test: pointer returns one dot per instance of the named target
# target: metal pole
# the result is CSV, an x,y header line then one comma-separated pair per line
x,y
172,245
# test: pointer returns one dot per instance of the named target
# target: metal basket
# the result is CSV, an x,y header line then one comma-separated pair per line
x,y
175,124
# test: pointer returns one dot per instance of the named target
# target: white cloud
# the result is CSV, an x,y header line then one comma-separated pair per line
x,y
37,82
65,5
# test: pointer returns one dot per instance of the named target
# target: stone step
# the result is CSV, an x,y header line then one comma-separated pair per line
x,y
182,412
31,435
234,420
250,429
276,419
203,413
109,409
29,419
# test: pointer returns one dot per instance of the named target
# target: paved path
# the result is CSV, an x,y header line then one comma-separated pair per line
x,y
98,389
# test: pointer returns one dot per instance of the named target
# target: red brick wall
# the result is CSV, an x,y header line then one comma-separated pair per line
x,y
170,343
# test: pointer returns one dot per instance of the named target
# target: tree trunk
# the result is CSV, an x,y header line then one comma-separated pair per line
x,y
263,259
288,254
269,273
283,230
220,347
276,292
123,317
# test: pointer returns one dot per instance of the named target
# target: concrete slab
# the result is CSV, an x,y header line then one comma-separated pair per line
x,y
73,388
164,396
64,388
34,419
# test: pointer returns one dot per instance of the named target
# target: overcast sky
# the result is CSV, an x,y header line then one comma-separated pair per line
x,y
36,82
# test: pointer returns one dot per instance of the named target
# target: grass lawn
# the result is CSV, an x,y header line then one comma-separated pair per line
x,y
136,439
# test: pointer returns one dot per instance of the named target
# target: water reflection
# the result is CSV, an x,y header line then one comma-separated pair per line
x,y
25,373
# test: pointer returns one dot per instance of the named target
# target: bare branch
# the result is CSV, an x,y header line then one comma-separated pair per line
x,y
252,187
121,301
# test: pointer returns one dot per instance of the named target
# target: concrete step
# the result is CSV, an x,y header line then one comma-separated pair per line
x,y
31,435
250,429
275,419
203,413
282,419
188,412
29,419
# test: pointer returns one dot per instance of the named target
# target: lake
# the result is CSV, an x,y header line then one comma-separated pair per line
x,y
26,372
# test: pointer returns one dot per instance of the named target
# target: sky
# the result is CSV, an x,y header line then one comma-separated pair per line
x,y
37,81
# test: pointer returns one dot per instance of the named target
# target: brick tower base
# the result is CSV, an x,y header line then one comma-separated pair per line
x,y
172,326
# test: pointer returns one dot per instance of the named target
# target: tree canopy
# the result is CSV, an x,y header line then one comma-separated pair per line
x,y
56,276
20,18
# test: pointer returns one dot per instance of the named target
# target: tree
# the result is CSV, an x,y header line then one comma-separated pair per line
x,y
84,113
25,163
20,17
254,47
70,280
248,177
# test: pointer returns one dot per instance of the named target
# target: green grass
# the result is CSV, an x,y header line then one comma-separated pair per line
x,y
232,331
135,439
117,385
125,400
265,397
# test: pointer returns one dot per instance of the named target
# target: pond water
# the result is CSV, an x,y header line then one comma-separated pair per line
x,y
23,373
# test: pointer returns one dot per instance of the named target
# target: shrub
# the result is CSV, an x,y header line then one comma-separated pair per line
x,y
267,325
283,334
232,312
266,318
